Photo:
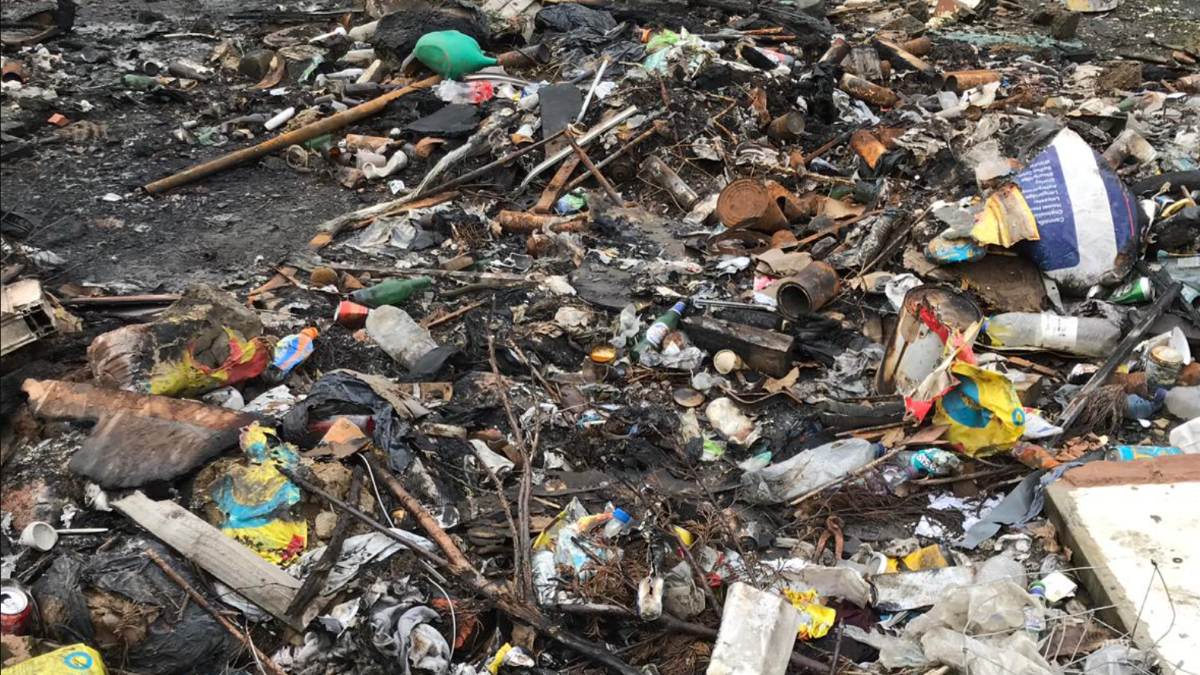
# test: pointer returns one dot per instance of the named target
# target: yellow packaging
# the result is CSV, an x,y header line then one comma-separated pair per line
x,y
982,410
818,619
928,558
77,659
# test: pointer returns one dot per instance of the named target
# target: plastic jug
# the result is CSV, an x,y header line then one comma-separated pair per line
x,y
451,54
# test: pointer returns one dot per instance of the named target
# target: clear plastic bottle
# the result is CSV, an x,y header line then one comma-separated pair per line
x,y
473,93
618,525
397,334
1081,336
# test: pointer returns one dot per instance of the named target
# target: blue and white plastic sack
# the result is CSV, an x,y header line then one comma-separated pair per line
x,y
1069,213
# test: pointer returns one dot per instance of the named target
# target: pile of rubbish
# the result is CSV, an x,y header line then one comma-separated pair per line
x,y
727,336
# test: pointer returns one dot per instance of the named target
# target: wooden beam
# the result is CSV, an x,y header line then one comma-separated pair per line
x,y
233,564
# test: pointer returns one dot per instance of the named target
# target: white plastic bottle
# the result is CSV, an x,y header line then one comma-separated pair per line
x,y
397,334
1081,336
616,526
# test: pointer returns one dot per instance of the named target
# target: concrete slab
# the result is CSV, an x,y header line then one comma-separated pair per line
x,y
1120,519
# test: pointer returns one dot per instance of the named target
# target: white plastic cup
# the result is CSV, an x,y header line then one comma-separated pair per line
x,y
39,536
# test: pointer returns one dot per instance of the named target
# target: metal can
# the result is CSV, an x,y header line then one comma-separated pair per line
x,y
1136,292
14,610
1129,453
1163,365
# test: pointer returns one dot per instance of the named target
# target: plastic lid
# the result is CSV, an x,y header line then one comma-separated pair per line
x,y
1038,589
619,514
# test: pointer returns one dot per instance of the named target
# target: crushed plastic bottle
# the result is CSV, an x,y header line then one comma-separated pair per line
x,y
809,470
399,336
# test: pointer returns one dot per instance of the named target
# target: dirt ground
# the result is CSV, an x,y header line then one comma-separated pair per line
x,y
237,224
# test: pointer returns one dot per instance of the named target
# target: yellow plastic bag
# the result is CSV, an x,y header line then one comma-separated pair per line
x,y
982,410
77,659
259,502
818,619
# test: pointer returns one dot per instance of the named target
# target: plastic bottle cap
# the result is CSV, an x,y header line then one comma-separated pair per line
x,y
620,515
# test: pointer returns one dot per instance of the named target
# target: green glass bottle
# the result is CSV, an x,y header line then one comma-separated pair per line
x,y
390,292
654,335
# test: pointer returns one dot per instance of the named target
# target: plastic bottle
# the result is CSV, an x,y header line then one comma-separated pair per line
x,y
907,466
1129,453
473,93
451,54
1186,437
657,331
290,352
399,336
1081,336
390,292
617,526
1184,402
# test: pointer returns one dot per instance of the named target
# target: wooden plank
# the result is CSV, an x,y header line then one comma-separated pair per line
x,y
763,350
234,565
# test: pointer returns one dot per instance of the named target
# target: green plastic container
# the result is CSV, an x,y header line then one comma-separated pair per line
x,y
451,54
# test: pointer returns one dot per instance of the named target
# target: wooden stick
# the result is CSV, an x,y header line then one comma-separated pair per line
x,y
282,141
262,659
523,562
453,315
460,567
362,517
508,513
595,171
836,481
621,152
315,582
122,300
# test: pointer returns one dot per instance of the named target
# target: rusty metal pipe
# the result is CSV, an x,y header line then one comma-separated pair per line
x,y
520,222
525,57
921,46
899,56
786,127
866,91
961,80
836,53
810,290
281,142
